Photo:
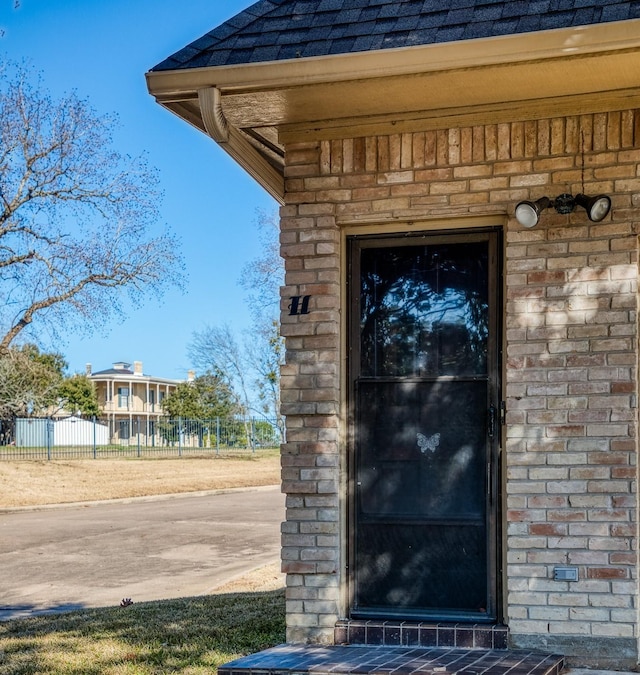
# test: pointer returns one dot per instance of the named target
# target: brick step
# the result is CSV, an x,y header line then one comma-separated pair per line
x,y
380,660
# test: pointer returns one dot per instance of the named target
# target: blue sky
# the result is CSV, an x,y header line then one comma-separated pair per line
x,y
102,49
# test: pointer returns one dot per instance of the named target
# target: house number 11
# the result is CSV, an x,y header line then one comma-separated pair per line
x,y
299,305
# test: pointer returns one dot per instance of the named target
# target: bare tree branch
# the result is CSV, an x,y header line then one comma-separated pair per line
x,y
253,367
263,276
215,349
76,216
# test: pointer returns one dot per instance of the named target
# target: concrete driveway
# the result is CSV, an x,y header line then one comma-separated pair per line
x,y
94,555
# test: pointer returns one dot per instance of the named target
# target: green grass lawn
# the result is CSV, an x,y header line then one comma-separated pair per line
x,y
187,636
130,450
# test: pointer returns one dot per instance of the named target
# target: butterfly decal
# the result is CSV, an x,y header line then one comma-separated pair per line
x,y
428,443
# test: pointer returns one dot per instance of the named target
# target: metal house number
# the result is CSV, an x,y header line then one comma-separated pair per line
x,y
299,305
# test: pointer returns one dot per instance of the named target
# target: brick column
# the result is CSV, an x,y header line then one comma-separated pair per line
x,y
310,244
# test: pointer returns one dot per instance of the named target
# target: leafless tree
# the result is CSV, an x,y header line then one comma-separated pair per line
x,y
251,366
262,278
76,216
264,348
214,349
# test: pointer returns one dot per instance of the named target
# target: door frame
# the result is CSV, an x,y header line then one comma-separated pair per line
x,y
494,235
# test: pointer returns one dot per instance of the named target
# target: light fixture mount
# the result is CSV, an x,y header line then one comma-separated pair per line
x,y
564,203
528,213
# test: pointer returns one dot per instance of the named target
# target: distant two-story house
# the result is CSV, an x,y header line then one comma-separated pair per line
x,y
130,401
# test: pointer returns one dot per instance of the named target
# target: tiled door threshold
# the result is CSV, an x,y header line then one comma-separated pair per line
x,y
421,634
383,660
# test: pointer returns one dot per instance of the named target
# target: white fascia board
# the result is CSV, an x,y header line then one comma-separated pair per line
x,y
557,43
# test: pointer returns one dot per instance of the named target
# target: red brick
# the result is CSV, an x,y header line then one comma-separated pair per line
x,y
296,567
607,573
566,430
622,558
608,458
567,515
547,529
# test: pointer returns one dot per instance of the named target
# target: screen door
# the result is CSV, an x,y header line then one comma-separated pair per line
x,y
424,392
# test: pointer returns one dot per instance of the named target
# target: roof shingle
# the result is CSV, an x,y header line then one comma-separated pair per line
x,y
273,30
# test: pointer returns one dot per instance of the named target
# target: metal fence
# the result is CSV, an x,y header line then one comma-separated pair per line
x,y
78,438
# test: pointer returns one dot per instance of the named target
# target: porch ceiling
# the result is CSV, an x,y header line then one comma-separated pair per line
x,y
258,108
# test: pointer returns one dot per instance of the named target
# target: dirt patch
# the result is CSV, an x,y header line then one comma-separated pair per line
x,y
36,483
267,578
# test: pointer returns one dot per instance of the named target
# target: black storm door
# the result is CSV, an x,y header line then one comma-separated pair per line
x,y
424,395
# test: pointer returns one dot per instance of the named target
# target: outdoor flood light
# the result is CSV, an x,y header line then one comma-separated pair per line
x,y
528,213
596,207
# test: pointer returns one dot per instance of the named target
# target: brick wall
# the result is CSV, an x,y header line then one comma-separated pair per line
x,y
570,356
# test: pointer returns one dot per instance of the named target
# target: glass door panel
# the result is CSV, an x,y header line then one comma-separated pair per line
x,y
421,496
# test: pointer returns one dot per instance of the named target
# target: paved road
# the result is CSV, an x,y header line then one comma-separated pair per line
x,y
95,555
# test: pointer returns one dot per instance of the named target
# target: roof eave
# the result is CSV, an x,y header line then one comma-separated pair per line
x,y
280,94
506,49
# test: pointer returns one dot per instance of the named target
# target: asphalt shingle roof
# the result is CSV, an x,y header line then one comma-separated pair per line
x,y
273,30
